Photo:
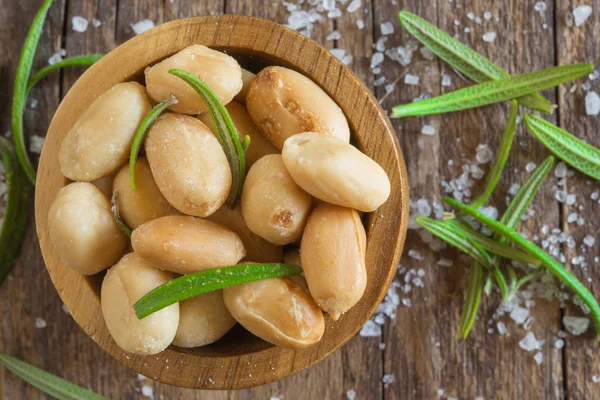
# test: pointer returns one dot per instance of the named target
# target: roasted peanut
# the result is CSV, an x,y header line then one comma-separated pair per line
x,y
125,283
273,206
247,78
83,230
333,258
184,244
99,142
257,248
259,146
219,71
146,202
188,164
283,102
335,172
203,320
278,310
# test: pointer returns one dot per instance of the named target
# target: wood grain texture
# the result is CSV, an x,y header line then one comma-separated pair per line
x,y
485,365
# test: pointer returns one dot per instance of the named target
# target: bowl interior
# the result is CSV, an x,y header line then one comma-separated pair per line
x,y
239,359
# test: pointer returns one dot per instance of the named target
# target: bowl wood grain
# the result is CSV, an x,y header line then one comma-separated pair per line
x,y
239,360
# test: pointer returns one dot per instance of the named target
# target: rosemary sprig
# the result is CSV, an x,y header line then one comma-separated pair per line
x,y
472,300
565,146
464,59
14,223
48,383
501,157
554,266
493,91
117,215
140,134
208,280
20,89
227,133
84,60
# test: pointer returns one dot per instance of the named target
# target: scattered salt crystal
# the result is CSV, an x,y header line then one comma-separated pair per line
x,y
80,24
347,59
40,323
360,24
56,57
501,328
335,13
96,23
379,81
559,343
539,357
456,22
387,28
34,103
529,342
596,379
338,53
428,130
471,15
387,379
489,36
571,199
581,14
514,188
328,4
446,80
561,196
572,218
354,6
444,262
142,26
592,103
540,6
427,54
519,315
441,392
406,302
376,59
484,154
335,35
381,346
589,240
478,20
576,325
370,329
351,394
561,170
586,86
65,309
411,79
36,143
379,319
467,30
148,391
530,167
487,15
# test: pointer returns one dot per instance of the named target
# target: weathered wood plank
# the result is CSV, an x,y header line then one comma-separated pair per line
x,y
579,44
421,346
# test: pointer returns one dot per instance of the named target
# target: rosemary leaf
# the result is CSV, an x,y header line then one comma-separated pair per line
x,y
565,146
84,60
48,383
196,283
493,91
227,133
115,209
501,157
472,300
466,60
20,88
554,266
140,134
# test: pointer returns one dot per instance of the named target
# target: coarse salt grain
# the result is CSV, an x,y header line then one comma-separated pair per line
x,y
446,80
530,167
559,343
540,6
360,24
335,35
539,357
351,394
428,130
592,103
411,79
589,240
581,14
354,6
376,59
444,262
96,23
370,329
387,379
487,15
596,378
142,26
415,254
40,323
36,143
489,36
519,315
576,325
529,342
335,13
484,154
328,4
148,391
80,24
387,28
56,57
561,170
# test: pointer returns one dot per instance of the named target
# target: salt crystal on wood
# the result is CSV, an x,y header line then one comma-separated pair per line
x,y
592,103
411,79
354,6
576,325
529,342
370,329
428,130
581,14
489,37
142,26
539,357
387,28
80,24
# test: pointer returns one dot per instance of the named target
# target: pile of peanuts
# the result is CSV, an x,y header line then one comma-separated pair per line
x,y
305,186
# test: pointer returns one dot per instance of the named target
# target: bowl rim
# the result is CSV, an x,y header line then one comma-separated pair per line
x,y
258,36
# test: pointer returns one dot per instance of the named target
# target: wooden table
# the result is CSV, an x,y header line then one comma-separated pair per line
x,y
420,346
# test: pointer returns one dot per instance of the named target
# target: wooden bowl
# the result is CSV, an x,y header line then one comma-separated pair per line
x,y
238,360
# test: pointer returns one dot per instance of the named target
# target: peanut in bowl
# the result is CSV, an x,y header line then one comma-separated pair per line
x,y
239,359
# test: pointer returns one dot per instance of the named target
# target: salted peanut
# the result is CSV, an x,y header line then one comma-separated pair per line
x,y
278,310
333,258
335,172
203,320
99,142
124,284
146,202
292,257
283,102
257,248
273,206
188,164
83,229
219,71
259,146
105,185
184,244
247,78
